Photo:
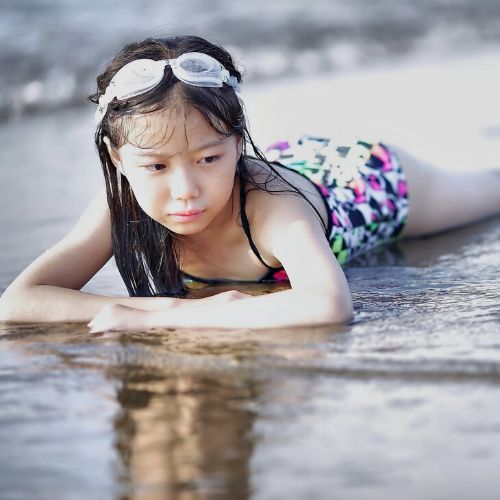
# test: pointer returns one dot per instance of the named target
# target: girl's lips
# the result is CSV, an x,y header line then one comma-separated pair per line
x,y
186,216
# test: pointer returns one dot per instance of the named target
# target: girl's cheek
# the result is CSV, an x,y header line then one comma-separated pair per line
x,y
140,189
148,198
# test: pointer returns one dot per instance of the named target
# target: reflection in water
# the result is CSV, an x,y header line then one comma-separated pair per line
x,y
177,432
184,434
184,401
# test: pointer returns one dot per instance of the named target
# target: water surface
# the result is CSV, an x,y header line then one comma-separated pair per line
x,y
402,403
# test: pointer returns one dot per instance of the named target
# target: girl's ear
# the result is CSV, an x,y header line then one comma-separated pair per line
x,y
113,153
239,146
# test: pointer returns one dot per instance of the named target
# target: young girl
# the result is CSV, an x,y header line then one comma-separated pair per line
x,y
185,201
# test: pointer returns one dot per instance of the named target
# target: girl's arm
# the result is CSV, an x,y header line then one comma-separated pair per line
x,y
48,289
319,291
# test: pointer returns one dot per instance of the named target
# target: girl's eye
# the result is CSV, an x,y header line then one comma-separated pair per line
x,y
155,167
209,159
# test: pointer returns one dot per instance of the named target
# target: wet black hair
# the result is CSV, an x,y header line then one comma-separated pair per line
x,y
145,251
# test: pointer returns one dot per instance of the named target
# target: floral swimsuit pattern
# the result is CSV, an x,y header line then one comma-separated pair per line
x,y
362,184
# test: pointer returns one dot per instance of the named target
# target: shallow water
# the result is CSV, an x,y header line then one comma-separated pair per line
x,y
402,403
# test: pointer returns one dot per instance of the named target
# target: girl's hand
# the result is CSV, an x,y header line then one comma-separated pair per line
x,y
118,317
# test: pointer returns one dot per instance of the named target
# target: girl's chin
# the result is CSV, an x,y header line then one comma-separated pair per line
x,y
183,231
184,227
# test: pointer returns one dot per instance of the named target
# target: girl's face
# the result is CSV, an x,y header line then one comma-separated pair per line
x,y
184,178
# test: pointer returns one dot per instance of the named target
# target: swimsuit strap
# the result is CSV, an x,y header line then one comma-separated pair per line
x,y
246,227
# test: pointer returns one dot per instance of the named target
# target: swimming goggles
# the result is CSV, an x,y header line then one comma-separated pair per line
x,y
139,76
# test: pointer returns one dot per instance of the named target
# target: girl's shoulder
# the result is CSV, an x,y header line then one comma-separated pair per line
x,y
281,205
274,184
275,198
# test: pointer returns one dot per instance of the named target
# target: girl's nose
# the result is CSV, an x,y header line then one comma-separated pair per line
x,y
183,184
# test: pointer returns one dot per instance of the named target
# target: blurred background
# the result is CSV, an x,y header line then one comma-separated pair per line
x,y
51,50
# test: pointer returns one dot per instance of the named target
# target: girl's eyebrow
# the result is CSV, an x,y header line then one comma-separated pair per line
x,y
216,142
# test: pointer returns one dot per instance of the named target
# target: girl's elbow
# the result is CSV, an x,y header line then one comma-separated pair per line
x,y
337,309
10,309
7,311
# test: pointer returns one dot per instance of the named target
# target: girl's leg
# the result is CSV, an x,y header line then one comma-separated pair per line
x,y
439,199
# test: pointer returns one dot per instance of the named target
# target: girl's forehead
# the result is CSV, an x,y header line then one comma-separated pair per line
x,y
169,132
178,127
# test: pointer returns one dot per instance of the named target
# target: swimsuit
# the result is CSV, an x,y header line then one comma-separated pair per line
x,y
362,185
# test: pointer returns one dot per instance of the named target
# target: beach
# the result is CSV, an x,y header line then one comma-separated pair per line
x,y
401,403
